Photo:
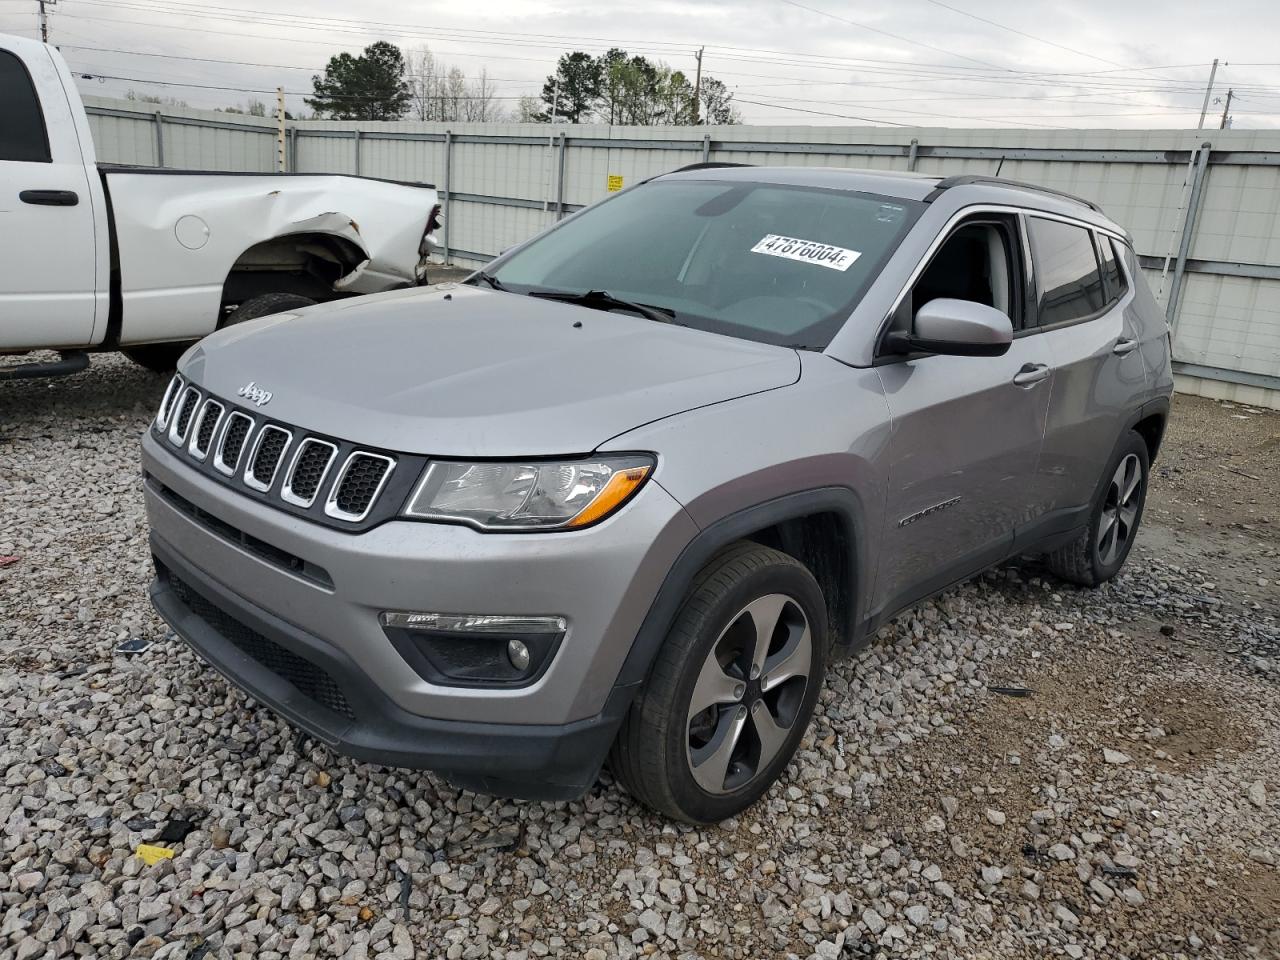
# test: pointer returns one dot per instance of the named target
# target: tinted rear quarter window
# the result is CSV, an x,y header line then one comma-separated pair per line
x,y
1067,269
1116,285
22,133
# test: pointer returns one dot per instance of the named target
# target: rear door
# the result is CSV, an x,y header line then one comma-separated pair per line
x,y
1082,290
966,430
48,251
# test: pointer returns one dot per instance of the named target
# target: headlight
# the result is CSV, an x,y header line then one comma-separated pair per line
x,y
528,496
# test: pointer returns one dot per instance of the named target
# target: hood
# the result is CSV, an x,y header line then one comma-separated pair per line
x,y
458,371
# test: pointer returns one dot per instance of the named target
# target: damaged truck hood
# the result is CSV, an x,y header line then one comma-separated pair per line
x,y
459,371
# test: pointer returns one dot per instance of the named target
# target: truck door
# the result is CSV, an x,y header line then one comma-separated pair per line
x,y
49,258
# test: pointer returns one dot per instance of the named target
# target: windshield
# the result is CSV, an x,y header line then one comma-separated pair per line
x,y
766,262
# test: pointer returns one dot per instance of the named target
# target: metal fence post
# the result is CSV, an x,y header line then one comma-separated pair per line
x,y
448,164
912,153
359,136
706,147
1188,233
564,143
293,149
159,139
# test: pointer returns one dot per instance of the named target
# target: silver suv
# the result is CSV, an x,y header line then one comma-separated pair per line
x,y
622,496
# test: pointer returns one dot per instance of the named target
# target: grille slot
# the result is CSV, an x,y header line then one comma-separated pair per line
x,y
166,402
307,472
182,415
239,426
359,482
310,680
206,426
272,442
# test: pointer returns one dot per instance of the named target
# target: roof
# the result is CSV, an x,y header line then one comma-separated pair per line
x,y
925,188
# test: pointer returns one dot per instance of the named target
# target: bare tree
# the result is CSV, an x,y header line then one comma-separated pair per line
x,y
529,110
480,105
424,82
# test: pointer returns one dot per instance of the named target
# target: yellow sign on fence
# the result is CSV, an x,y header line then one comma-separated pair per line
x,y
615,182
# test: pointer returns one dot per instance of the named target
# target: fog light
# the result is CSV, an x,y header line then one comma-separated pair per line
x,y
475,649
518,654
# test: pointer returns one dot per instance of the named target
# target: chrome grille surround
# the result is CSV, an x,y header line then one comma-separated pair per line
x,y
219,457
181,415
211,408
329,481
331,507
171,393
251,465
286,491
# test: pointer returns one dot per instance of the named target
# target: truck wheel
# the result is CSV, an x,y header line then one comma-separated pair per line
x,y
731,691
158,357
1098,554
266,304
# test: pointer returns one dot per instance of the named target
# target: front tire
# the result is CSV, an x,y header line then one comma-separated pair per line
x,y
157,357
1097,555
732,690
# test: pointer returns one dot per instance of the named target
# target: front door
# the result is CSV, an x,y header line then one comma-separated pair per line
x,y
966,431
48,253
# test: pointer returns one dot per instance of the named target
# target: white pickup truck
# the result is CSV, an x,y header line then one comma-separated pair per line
x,y
144,260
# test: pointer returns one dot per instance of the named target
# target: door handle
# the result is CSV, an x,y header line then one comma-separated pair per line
x,y
1124,345
1031,374
50,198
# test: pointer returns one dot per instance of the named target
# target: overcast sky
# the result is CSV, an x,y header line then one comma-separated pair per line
x,y
954,63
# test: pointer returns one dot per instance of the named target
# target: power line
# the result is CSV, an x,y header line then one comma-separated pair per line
x,y
886,33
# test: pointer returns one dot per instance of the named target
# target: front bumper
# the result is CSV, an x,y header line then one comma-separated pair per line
x,y
318,687
315,652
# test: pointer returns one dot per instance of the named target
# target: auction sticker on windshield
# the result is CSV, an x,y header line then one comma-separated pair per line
x,y
806,251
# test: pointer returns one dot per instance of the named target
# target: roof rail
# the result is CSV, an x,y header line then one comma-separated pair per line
x,y
710,165
968,178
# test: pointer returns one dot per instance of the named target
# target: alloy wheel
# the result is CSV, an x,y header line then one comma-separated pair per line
x,y
749,693
1120,510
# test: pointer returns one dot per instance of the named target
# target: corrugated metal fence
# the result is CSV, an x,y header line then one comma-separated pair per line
x,y
1207,202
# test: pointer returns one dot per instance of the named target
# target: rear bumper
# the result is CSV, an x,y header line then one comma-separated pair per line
x,y
318,687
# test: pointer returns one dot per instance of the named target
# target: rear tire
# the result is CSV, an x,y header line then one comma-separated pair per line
x,y
265,304
1097,555
732,689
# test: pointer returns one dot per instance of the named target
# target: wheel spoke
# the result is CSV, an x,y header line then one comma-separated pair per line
x,y
1132,478
710,764
793,660
764,613
714,686
1107,542
772,736
1128,517
1105,524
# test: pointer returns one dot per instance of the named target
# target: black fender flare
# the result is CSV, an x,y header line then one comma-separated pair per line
x,y
713,538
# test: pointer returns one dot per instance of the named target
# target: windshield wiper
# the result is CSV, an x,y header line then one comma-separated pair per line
x,y
602,300
490,279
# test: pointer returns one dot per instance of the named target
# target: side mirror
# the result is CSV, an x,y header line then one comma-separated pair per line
x,y
958,328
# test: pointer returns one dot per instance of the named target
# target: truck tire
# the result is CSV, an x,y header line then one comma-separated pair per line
x,y
158,357
266,304
731,691
1098,554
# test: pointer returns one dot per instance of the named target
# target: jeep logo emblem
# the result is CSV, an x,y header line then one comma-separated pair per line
x,y
255,394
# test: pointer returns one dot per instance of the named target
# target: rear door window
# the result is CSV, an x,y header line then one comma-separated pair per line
x,y
22,133
1069,278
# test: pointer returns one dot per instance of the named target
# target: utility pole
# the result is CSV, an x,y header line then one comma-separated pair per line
x,y
44,20
697,89
280,156
1208,92
1226,110
551,142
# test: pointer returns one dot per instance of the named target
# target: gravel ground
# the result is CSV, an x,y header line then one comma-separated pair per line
x,y
1017,769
